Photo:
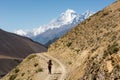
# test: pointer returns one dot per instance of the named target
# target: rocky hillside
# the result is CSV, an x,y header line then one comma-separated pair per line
x,y
90,51
92,48
14,48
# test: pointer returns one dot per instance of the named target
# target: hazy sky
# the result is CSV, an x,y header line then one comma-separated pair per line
x,y
28,14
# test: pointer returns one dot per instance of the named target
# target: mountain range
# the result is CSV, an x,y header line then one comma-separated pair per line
x,y
90,51
56,28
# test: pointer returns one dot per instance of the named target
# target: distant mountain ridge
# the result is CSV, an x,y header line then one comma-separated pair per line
x,y
90,51
11,44
57,27
13,48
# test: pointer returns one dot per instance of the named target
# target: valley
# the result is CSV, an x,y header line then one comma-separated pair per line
x,y
90,51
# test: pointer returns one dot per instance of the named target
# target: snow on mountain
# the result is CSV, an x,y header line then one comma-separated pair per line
x,y
21,32
65,18
56,27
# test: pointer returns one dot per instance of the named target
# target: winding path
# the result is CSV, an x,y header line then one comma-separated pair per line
x,y
58,70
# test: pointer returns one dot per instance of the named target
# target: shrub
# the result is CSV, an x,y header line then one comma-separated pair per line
x,y
31,56
22,74
77,50
69,44
105,13
113,48
39,70
69,62
12,77
36,64
16,70
118,9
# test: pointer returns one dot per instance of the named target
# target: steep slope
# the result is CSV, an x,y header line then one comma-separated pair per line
x,y
18,46
90,51
14,48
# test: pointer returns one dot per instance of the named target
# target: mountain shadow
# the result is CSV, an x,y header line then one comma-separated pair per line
x,y
13,48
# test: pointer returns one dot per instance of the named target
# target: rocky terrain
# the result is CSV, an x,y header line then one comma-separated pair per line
x,y
92,48
90,51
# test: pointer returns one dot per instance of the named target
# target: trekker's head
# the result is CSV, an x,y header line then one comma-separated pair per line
x,y
50,60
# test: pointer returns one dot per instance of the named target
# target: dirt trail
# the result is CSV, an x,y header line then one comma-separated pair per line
x,y
9,57
58,69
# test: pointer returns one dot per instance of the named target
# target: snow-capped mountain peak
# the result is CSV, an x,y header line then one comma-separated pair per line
x,y
57,27
67,16
21,32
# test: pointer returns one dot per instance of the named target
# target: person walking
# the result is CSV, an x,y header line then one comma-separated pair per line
x,y
49,66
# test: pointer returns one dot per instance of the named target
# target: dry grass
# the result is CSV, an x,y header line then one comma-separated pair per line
x,y
88,49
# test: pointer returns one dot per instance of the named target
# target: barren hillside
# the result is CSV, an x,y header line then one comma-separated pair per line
x,y
90,51
14,48
17,46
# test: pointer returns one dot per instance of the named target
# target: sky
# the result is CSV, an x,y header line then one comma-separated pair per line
x,y
29,14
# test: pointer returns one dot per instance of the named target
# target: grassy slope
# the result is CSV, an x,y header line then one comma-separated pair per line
x,y
91,50
99,38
